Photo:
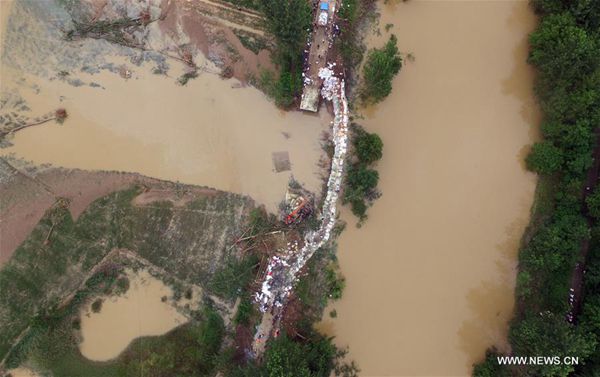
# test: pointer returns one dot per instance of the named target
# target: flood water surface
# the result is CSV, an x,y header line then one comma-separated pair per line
x,y
121,319
205,133
430,276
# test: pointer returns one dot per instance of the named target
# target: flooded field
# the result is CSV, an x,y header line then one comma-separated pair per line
x,y
430,276
211,132
207,133
138,312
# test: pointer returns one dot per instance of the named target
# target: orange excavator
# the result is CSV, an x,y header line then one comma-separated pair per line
x,y
296,213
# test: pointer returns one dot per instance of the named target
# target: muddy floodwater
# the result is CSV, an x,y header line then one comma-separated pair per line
x,y
205,133
430,276
138,312
211,132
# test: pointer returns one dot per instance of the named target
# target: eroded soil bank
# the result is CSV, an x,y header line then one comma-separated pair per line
x,y
430,276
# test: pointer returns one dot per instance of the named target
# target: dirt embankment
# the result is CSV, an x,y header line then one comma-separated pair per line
x,y
27,192
231,37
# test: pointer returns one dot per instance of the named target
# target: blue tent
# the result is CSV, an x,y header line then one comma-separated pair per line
x,y
324,6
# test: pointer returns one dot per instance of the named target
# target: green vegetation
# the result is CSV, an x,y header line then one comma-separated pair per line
x,y
53,262
251,4
97,305
545,158
285,357
351,17
381,66
361,181
565,51
335,282
183,79
250,41
189,350
369,147
229,280
122,285
593,204
300,351
245,311
288,22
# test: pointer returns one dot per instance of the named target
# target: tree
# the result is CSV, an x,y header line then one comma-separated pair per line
x,y
359,208
359,181
563,52
586,12
593,204
549,334
287,358
490,366
548,6
369,147
288,21
544,158
380,68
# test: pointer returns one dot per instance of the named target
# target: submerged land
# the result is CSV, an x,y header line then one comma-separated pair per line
x,y
166,209
84,246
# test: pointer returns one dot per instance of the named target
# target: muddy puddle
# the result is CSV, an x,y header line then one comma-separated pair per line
x,y
430,276
121,319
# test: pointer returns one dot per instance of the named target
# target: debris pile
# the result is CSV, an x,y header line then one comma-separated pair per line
x,y
298,207
283,268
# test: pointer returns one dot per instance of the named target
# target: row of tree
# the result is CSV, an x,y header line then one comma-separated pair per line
x,y
565,51
361,179
381,65
288,21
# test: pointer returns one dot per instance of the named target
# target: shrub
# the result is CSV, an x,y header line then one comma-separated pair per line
x,y
122,285
544,158
369,147
97,306
380,68
593,204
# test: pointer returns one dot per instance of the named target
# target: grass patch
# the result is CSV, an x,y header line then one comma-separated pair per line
x,y
234,276
189,350
56,257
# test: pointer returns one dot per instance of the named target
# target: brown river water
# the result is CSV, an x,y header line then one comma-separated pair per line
x,y
207,133
139,312
430,276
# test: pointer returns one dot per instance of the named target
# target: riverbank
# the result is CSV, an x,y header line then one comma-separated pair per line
x,y
454,206
557,285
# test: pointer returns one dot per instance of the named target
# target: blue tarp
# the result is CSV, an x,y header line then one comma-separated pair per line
x,y
324,6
